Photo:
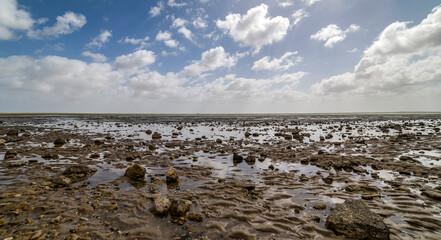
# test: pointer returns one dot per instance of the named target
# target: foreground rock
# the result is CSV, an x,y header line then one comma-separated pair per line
x,y
179,208
354,219
161,206
135,172
171,176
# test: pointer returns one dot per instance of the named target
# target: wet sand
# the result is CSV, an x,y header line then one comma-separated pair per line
x,y
247,177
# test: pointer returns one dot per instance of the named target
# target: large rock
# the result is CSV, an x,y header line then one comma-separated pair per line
x,y
136,172
179,208
354,219
59,142
161,205
78,169
171,176
10,154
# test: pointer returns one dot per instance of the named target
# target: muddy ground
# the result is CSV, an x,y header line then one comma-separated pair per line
x,y
247,177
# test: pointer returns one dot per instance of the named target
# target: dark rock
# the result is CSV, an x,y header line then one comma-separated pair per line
x,y
16,164
148,132
12,132
94,155
10,154
250,160
406,158
61,181
136,172
196,217
354,219
59,142
328,180
99,142
156,135
237,158
48,156
171,176
320,206
179,208
78,169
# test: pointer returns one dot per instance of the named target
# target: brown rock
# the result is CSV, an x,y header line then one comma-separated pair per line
x,y
196,217
171,176
161,206
136,172
59,142
179,208
10,154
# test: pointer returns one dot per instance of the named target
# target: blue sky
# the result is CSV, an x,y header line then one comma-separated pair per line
x,y
214,56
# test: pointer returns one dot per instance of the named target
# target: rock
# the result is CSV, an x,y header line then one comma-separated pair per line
x,y
156,135
320,206
250,160
59,142
219,140
61,181
136,172
179,208
12,132
78,169
354,219
406,158
237,158
48,156
2,141
171,176
161,206
148,132
328,180
16,164
196,217
10,154
95,155
99,142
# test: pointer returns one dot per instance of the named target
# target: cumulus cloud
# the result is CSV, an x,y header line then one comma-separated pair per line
x,y
180,23
95,56
166,37
173,3
210,60
156,10
199,23
255,28
332,34
136,60
400,60
141,42
66,24
298,15
99,40
287,61
13,19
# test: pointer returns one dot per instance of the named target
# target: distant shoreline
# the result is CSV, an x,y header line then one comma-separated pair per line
x,y
222,114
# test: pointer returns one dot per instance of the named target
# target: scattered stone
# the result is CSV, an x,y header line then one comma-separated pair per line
x,y
95,155
237,158
161,206
354,219
320,206
16,164
179,208
59,142
61,181
10,154
315,218
136,172
196,217
156,135
78,169
99,142
49,156
171,176
12,132
148,132
250,160
219,140
328,180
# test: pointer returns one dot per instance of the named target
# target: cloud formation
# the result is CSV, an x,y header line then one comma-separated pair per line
x,y
287,61
99,40
166,37
400,60
96,57
255,28
66,24
332,34
210,60
13,19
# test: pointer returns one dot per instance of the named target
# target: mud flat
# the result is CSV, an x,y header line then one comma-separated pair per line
x,y
219,177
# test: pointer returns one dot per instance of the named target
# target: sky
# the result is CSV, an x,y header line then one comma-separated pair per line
x,y
220,56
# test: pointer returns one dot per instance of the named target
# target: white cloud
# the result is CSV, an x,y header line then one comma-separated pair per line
x,y
255,28
311,2
199,23
210,60
142,42
66,24
99,40
332,34
136,60
285,4
180,23
401,60
166,37
13,19
287,61
298,15
354,50
172,3
95,56
156,10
